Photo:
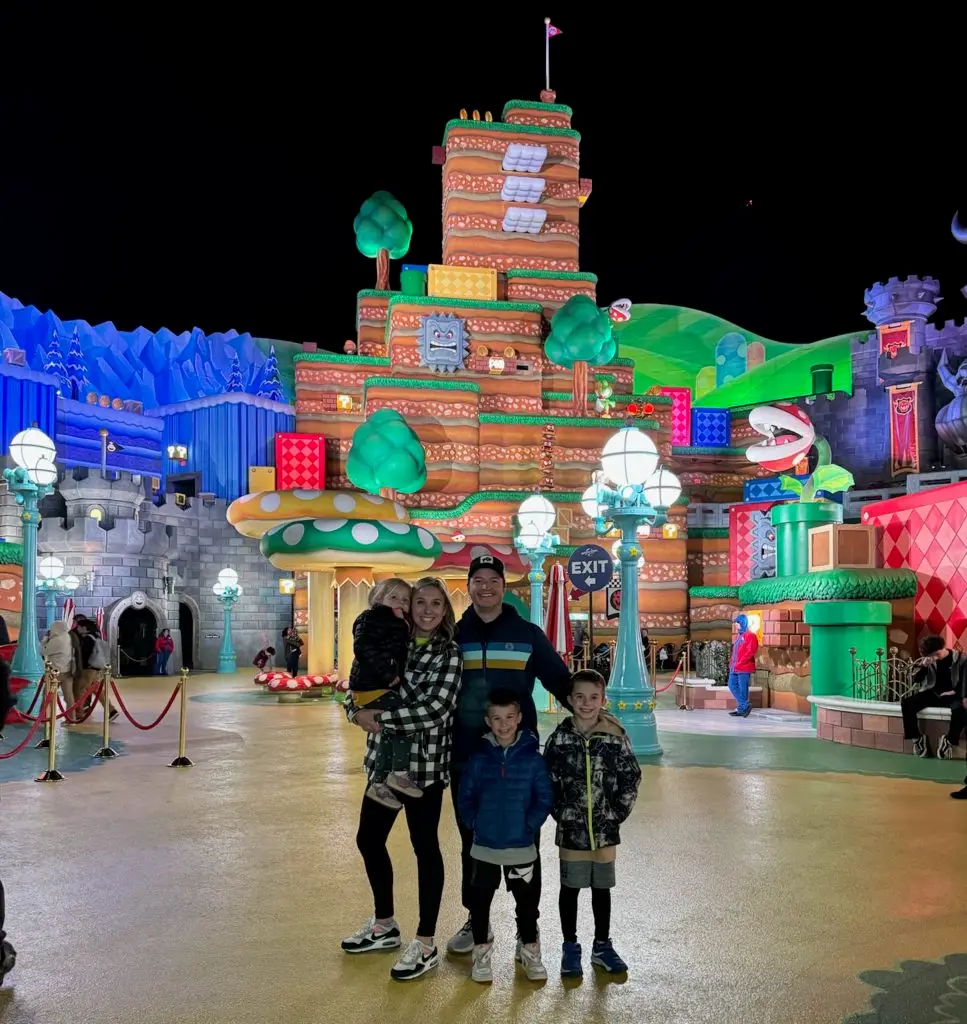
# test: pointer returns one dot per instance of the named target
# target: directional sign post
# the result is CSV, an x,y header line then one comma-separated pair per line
x,y
590,568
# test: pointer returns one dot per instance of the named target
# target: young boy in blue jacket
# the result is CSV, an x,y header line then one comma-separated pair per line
x,y
505,797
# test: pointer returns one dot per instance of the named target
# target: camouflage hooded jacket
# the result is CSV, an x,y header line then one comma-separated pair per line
x,y
595,779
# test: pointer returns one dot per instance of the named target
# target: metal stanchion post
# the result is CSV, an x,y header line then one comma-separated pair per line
x,y
44,743
106,750
182,761
52,774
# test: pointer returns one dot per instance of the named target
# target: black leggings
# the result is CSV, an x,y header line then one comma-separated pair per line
x,y
423,821
466,842
567,903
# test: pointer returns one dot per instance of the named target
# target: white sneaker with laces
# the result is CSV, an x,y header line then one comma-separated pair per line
x,y
529,957
920,747
945,750
481,970
373,937
416,960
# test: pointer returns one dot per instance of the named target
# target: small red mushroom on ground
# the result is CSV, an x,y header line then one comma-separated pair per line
x,y
264,678
319,686
289,689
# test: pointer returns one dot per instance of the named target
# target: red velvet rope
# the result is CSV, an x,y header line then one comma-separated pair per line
x,y
66,711
671,682
40,686
38,722
157,721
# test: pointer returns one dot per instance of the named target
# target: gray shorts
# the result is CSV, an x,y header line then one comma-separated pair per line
x,y
587,874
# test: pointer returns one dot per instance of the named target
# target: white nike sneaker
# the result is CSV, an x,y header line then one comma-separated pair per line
x,y
529,957
415,962
481,970
373,937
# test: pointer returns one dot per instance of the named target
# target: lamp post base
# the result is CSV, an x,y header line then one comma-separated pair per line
x,y
632,709
226,662
52,775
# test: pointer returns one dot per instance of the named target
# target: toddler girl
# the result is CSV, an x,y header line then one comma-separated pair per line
x,y
381,641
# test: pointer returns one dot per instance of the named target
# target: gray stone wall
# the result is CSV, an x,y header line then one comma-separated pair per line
x,y
144,545
858,428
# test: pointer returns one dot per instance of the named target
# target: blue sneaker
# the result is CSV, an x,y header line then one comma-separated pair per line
x,y
603,955
571,960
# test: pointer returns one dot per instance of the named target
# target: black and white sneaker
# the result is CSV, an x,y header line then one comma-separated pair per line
x,y
372,938
945,749
920,747
415,962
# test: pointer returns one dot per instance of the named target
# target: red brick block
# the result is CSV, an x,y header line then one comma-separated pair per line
x,y
772,615
802,628
864,738
832,717
889,741
718,705
783,615
794,641
896,726
795,614
825,732
807,639
841,735
785,628
852,720
876,723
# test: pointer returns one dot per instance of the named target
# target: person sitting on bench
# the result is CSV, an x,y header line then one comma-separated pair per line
x,y
940,674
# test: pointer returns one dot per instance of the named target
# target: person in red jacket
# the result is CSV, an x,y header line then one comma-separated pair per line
x,y
741,666
163,647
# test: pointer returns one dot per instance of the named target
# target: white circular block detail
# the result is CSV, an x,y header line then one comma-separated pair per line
x,y
344,503
365,533
293,533
329,525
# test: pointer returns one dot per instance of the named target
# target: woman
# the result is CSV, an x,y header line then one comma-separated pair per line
x,y
163,647
429,692
293,649
59,655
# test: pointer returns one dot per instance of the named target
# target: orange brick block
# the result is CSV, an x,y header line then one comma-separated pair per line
x,y
841,735
864,738
852,720
832,717
889,741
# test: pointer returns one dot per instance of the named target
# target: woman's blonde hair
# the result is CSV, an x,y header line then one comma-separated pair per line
x,y
384,588
448,624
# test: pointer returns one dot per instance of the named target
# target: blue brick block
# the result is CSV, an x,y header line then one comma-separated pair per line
x,y
770,489
711,428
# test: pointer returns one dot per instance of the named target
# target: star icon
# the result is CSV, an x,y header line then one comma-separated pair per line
x,y
638,705
622,705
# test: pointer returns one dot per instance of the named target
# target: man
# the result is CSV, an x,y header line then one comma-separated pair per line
x,y
500,651
940,675
742,666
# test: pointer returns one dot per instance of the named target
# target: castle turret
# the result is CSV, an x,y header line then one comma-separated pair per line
x,y
906,367
900,310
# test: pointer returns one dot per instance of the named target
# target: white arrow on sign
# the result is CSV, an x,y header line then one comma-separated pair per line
x,y
590,580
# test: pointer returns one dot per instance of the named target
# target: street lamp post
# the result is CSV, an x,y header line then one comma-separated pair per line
x,y
227,591
535,542
53,582
640,495
32,480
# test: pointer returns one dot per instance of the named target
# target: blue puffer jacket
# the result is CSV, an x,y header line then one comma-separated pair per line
x,y
505,794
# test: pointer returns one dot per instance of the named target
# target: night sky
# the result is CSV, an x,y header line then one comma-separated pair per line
x,y
163,170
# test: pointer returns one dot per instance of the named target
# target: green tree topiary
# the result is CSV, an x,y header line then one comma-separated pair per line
x,y
383,232
580,336
386,454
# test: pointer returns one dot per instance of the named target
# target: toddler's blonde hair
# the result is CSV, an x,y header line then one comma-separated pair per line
x,y
384,588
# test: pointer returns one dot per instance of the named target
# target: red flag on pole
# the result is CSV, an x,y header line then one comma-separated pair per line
x,y
99,619
552,32
69,613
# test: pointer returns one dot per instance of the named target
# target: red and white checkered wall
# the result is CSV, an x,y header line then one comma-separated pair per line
x,y
927,532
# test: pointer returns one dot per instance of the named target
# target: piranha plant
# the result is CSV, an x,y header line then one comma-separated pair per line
x,y
827,477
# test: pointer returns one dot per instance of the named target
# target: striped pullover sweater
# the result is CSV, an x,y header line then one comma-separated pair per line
x,y
509,653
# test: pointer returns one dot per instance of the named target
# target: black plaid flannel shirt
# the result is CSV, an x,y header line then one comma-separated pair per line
x,y
429,694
